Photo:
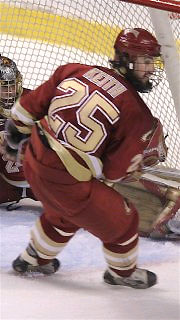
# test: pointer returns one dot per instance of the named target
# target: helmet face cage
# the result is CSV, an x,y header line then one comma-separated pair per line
x,y
154,78
157,75
10,85
130,44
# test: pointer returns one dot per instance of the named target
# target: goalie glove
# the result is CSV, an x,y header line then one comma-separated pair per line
x,y
14,142
157,201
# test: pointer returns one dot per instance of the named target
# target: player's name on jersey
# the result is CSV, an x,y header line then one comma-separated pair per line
x,y
105,81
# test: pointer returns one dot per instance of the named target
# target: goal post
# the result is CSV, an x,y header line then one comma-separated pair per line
x,y
164,34
41,35
170,54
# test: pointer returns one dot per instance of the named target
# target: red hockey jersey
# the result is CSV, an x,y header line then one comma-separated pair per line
x,y
93,119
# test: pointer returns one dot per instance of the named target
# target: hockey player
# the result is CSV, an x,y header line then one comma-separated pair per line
x,y
12,181
88,128
170,226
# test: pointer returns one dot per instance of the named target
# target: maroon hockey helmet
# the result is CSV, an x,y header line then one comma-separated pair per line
x,y
137,41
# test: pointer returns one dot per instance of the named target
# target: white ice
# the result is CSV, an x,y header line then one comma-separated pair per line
x,y
77,290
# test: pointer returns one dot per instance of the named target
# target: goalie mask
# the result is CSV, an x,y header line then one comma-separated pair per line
x,y
138,59
10,85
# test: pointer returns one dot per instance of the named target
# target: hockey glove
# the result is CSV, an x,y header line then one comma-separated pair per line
x,y
14,142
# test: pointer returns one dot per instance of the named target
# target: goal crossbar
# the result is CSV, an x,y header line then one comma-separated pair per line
x,y
169,5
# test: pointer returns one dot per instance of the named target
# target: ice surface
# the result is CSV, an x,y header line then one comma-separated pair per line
x,y
77,290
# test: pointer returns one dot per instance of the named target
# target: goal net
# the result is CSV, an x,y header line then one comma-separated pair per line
x,y
41,35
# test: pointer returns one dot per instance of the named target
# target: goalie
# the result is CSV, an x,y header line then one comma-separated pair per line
x,y
13,186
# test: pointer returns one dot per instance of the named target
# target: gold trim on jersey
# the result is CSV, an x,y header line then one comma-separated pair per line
x,y
75,169
18,113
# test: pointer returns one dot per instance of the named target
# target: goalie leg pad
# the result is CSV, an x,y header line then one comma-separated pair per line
x,y
156,205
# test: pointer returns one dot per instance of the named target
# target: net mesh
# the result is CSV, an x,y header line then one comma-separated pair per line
x,y
41,35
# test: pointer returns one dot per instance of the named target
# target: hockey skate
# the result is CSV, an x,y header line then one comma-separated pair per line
x,y
139,279
20,265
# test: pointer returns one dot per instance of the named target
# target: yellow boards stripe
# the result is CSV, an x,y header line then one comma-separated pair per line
x,y
58,30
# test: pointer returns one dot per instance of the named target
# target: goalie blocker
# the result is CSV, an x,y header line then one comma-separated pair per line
x,y
156,197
